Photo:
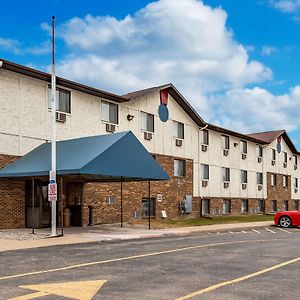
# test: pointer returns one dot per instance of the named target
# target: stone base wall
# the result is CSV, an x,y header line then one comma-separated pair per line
x,y
166,195
12,198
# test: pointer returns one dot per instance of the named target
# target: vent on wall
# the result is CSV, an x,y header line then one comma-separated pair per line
x,y
61,117
110,127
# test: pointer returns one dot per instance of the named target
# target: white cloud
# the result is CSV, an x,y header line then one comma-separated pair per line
x,y
184,42
9,45
287,6
268,50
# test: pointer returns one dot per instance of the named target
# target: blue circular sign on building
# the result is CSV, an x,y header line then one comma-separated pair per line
x,y
163,113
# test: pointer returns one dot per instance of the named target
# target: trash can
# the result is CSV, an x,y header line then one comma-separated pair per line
x,y
67,217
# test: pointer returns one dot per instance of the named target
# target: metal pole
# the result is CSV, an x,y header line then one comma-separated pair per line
x,y
53,141
121,201
149,206
32,213
62,205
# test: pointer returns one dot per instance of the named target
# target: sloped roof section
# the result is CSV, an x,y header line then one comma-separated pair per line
x,y
110,157
176,95
269,136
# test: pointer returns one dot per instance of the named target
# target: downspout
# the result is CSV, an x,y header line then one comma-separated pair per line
x,y
199,190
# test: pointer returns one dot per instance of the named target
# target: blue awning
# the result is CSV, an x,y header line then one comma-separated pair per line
x,y
111,157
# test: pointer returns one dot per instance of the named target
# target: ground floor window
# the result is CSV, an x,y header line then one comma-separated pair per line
x,y
145,207
274,205
297,206
205,206
245,206
286,205
226,206
260,206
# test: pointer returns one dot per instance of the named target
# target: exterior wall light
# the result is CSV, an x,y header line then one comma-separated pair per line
x,y
130,117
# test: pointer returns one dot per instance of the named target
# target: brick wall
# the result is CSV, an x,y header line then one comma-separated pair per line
x,y
12,198
172,191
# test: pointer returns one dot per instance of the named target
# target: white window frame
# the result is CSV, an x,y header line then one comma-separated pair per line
x,y
245,206
148,123
58,100
285,180
225,141
273,179
259,150
204,172
179,168
226,206
243,147
177,133
259,176
244,176
109,112
225,173
205,137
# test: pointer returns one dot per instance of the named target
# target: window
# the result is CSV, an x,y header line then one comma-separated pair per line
x,y
145,207
225,142
111,200
259,151
205,137
179,168
63,100
295,160
226,206
286,205
295,183
109,112
205,207
297,206
273,180
259,178
273,154
244,177
274,205
225,174
285,157
245,206
285,181
260,206
204,172
178,130
243,145
147,122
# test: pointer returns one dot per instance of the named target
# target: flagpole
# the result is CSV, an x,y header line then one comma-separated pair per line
x,y
53,140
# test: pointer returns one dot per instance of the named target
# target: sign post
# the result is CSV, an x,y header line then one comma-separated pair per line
x,y
52,191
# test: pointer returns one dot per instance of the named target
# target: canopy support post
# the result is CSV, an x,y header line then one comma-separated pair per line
x,y
121,201
32,212
62,205
149,205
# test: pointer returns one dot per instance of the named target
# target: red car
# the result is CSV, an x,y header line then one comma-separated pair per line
x,y
287,218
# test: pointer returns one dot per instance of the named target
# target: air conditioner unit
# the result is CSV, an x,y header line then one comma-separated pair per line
x,y
110,127
204,183
259,187
110,200
180,180
226,185
295,167
284,165
273,162
244,155
203,148
244,186
61,117
259,159
148,136
178,142
296,190
225,152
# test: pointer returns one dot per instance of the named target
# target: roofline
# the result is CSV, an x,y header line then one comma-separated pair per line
x,y
20,69
234,133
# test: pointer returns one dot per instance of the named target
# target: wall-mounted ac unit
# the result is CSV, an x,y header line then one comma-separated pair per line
x,y
110,200
259,159
225,152
296,190
273,162
226,185
178,142
148,136
110,127
204,183
284,165
61,117
203,148
180,180
259,187
244,155
244,186
295,167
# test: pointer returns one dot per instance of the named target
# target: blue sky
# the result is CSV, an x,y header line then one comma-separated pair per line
x,y
236,62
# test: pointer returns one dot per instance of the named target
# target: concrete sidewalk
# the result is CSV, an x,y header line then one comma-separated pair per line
x,y
98,233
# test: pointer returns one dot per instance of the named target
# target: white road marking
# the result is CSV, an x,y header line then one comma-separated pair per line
x,y
270,230
243,231
256,231
284,230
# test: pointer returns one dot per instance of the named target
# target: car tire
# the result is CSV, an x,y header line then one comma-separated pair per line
x,y
285,222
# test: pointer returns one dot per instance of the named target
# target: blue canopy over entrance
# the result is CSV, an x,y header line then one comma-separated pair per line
x,y
111,157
